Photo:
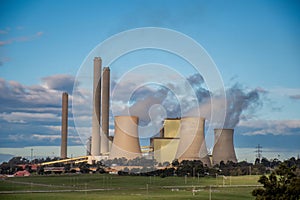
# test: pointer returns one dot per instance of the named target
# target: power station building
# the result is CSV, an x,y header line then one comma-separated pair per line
x,y
165,146
180,138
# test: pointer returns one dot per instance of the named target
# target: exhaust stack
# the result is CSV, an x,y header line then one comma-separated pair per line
x,y
95,149
64,126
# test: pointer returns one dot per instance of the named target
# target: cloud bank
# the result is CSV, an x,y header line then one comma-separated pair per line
x,y
29,113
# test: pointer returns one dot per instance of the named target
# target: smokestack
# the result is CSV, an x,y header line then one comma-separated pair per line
x,y
223,148
126,140
95,151
64,126
105,110
192,142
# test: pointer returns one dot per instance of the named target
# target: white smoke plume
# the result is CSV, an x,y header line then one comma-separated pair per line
x,y
240,104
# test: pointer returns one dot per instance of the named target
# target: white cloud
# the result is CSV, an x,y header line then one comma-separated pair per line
x,y
274,127
51,137
48,137
57,129
288,92
60,82
23,117
27,111
17,137
21,38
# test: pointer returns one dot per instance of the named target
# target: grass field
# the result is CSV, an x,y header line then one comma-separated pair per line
x,y
95,186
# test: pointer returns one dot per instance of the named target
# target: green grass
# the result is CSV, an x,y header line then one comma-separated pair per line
x,y
127,187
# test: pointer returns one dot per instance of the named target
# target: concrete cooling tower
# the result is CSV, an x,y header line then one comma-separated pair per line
x,y
223,148
95,149
192,142
126,140
64,126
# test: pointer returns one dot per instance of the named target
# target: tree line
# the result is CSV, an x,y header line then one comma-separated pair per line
x,y
143,166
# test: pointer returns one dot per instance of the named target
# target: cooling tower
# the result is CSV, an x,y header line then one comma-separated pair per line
x,y
95,151
64,126
223,148
126,140
192,142
105,111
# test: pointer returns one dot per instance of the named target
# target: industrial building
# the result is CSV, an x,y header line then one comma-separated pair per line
x,y
171,128
165,146
164,149
182,139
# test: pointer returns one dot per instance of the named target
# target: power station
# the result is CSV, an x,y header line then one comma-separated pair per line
x,y
180,138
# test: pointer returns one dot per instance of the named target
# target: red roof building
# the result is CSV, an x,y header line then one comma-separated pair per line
x,y
22,173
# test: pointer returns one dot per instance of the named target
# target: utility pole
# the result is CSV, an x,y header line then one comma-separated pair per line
x,y
193,172
31,154
210,192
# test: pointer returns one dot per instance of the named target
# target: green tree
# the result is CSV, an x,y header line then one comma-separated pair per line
x,y
282,184
40,170
190,168
175,163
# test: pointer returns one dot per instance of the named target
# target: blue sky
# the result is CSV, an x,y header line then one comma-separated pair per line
x,y
254,44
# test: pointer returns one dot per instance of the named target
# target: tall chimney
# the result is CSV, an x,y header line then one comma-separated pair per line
x,y
64,126
105,110
95,150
